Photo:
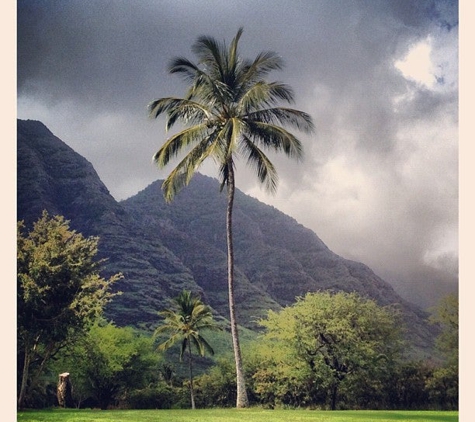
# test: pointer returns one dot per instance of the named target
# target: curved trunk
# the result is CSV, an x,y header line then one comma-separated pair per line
x,y
241,400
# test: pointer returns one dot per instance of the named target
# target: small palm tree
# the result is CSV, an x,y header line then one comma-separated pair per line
x,y
184,324
229,110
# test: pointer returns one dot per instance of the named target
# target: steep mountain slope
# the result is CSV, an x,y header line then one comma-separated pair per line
x,y
276,257
52,176
162,248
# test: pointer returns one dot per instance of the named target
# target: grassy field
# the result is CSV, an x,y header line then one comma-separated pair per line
x,y
232,415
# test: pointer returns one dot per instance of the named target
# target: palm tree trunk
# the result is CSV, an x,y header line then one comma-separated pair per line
x,y
241,399
192,393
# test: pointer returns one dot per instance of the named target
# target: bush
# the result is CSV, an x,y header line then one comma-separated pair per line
x,y
217,388
443,388
159,397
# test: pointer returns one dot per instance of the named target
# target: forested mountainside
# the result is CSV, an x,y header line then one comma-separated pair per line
x,y
52,176
163,248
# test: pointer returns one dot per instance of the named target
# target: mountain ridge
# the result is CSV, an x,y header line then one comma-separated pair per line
x,y
163,248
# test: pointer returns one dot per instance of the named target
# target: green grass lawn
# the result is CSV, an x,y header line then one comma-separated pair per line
x,y
231,415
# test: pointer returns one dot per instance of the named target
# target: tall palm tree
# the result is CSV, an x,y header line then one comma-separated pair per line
x,y
184,324
229,110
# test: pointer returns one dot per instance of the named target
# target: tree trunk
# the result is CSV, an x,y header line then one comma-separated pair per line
x,y
192,393
65,391
241,400
24,377
334,396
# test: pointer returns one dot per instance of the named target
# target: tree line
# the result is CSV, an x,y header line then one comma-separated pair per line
x,y
331,350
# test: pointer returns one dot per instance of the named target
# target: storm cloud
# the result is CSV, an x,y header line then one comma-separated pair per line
x,y
379,182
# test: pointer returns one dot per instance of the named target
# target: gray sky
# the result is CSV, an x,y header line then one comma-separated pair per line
x,y
379,183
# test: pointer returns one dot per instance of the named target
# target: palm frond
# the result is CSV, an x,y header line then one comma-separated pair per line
x,y
280,91
201,345
236,129
187,113
265,170
284,116
167,344
210,54
206,345
227,140
185,110
232,56
264,63
264,94
276,137
173,184
211,92
182,65
175,144
167,314
181,175
198,345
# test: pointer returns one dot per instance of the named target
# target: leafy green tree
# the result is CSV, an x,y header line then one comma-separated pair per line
x,y
446,315
281,378
217,387
230,109
407,387
185,324
443,385
108,363
59,293
338,335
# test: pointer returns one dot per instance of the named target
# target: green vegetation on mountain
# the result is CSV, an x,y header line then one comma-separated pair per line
x,y
162,249
277,259
52,176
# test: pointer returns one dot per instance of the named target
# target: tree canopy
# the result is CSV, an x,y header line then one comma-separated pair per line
x,y
59,292
108,362
336,336
444,382
229,109
446,314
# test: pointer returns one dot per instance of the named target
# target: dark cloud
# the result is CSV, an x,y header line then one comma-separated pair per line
x,y
379,179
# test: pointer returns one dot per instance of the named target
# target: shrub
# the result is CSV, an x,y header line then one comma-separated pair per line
x,y
158,397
